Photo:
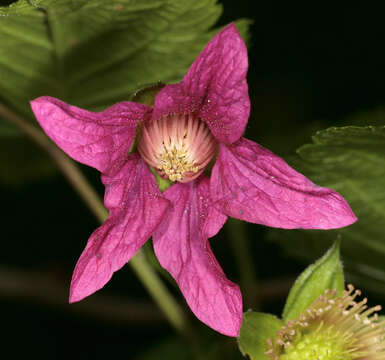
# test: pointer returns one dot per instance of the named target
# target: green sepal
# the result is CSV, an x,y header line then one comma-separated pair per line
x,y
256,329
163,184
146,95
325,273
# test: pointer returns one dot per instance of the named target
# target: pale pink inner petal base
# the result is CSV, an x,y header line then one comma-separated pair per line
x,y
136,208
182,248
214,88
250,183
101,140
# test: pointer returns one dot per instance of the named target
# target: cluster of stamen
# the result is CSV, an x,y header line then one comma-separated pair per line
x,y
332,328
179,147
174,161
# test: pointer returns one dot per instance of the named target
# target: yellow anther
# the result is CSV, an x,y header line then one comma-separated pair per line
x,y
174,162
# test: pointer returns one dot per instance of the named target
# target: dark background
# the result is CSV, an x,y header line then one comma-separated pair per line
x,y
310,67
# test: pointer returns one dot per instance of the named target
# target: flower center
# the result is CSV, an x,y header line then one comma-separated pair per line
x,y
179,147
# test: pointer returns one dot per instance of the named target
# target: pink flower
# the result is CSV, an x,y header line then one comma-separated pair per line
x,y
192,123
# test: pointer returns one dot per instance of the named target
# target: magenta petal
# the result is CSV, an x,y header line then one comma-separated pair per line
x,y
250,183
101,140
136,208
182,248
215,87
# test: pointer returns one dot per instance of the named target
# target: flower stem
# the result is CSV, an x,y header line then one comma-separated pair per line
x,y
150,279
239,243
158,291
68,167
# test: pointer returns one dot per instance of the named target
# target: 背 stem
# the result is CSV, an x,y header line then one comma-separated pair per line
x,y
240,245
150,279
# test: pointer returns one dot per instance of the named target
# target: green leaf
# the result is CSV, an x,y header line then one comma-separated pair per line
x,y
350,160
93,53
26,55
256,329
325,273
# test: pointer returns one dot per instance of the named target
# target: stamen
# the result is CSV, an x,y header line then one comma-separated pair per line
x,y
179,147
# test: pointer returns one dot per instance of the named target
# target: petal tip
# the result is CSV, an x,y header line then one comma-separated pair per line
x,y
74,296
42,105
342,214
343,221
233,332
73,300
78,293
35,103
231,328
40,100
231,28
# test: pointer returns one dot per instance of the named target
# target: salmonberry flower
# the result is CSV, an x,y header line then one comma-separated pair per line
x,y
195,127
333,328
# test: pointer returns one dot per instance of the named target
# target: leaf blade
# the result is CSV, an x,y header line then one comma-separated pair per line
x,y
95,53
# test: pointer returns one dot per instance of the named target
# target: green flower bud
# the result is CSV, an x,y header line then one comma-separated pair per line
x,y
332,328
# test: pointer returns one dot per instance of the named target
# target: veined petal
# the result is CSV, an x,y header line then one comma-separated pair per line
x,y
215,88
182,247
98,139
250,183
136,208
